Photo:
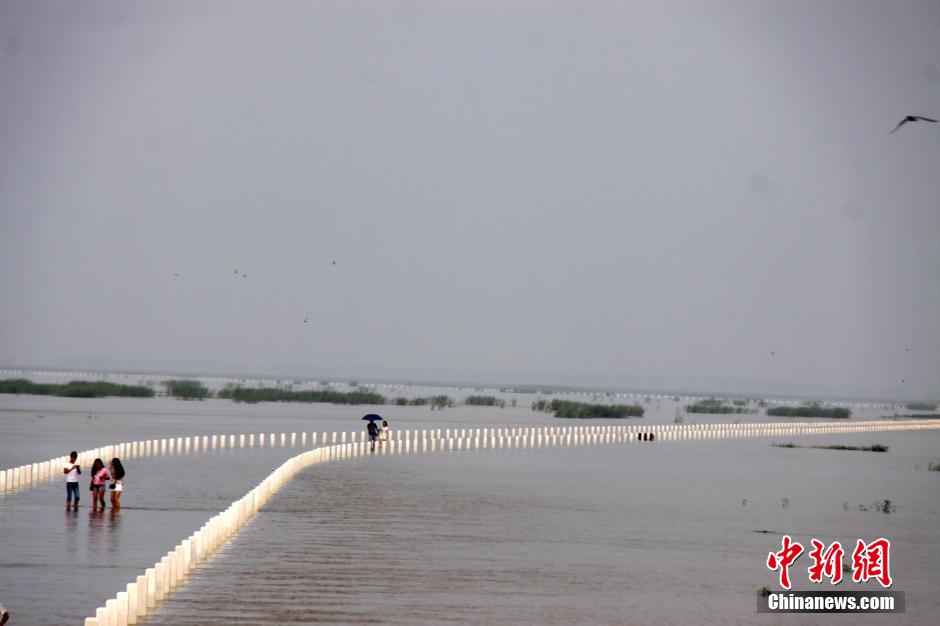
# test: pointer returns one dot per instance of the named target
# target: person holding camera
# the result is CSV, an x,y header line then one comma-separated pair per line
x,y
71,470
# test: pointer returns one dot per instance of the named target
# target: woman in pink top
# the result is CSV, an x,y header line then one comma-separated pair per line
x,y
99,477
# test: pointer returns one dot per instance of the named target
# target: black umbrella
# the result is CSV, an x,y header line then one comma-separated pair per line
x,y
371,417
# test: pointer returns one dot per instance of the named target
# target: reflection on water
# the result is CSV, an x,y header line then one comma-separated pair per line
x,y
608,534
57,566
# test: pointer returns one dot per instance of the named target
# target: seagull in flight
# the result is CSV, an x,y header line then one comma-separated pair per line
x,y
911,118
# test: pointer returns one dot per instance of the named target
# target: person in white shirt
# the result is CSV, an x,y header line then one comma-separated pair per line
x,y
71,471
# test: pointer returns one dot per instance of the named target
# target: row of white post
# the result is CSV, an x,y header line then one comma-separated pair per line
x,y
27,475
142,596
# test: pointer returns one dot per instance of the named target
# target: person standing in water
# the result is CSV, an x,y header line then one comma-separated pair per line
x,y
117,483
71,470
99,478
373,431
383,434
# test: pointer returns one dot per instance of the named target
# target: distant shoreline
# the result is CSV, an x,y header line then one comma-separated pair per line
x,y
639,391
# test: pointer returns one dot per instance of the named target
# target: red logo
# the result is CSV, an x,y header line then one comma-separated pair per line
x,y
868,561
871,561
783,559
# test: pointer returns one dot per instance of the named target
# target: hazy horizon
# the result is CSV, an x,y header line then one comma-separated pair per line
x,y
591,191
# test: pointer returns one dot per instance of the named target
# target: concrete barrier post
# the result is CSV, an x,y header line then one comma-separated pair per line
x,y
160,578
101,616
132,603
151,576
111,607
141,595
121,602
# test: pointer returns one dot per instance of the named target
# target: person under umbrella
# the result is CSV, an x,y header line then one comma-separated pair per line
x,y
372,429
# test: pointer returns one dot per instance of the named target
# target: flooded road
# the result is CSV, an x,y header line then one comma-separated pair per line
x,y
634,533
606,534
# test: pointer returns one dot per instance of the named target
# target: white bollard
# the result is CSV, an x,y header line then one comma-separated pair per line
x,y
141,595
111,607
151,576
121,613
132,603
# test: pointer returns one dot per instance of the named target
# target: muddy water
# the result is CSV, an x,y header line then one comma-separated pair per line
x,y
609,534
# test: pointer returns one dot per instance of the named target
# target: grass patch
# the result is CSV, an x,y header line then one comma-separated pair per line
x,y
809,410
714,406
269,394
74,389
872,448
582,410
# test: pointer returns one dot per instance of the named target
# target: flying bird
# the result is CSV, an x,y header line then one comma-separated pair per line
x,y
334,262
911,118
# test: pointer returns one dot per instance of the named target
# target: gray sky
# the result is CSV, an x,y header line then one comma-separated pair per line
x,y
543,192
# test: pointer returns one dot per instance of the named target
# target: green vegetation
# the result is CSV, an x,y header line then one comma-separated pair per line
x,y
920,406
809,410
186,389
763,592
441,402
934,467
269,394
714,406
412,402
740,402
872,448
74,389
582,410
484,401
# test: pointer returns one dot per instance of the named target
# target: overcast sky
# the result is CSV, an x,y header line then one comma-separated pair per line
x,y
536,191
